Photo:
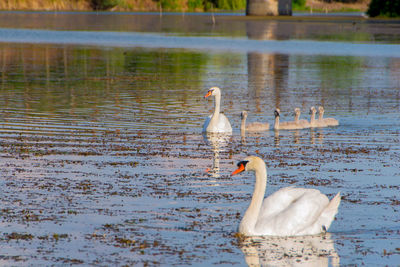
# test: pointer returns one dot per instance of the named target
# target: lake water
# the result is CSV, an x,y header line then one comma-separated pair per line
x,y
103,160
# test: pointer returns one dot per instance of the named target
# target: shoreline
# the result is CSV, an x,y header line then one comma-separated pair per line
x,y
311,6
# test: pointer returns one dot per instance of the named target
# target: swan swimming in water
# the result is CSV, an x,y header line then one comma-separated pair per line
x,y
326,121
254,126
313,122
302,123
216,122
289,211
287,125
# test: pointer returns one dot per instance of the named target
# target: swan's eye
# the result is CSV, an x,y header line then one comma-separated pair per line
x,y
242,163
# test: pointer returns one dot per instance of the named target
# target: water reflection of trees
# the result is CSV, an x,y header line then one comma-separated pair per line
x,y
337,29
288,81
266,72
175,23
50,78
58,77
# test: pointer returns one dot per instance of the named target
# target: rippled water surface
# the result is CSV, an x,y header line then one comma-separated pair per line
x,y
103,161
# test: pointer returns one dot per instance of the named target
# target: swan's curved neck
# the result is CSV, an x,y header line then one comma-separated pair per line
x,y
312,119
276,125
321,116
296,117
217,105
249,221
243,125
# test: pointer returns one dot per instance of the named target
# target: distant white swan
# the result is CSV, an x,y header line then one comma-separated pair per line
x,y
313,122
287,125
217,122
254,126
302,123
326,121
288,212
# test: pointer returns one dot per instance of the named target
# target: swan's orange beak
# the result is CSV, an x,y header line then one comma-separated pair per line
x,y
208,94
239,169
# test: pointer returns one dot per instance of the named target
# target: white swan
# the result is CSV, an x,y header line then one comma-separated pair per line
x,y
287,125
288,212
313,122
217,122
302,123
327,121
254,126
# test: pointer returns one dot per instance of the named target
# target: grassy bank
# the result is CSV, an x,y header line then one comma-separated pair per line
x,y
44,5
77,5
169,5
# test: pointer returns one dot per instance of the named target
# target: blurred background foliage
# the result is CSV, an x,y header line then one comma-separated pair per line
x,y
384,8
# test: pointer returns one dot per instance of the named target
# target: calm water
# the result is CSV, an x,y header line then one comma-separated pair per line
x,y
103,161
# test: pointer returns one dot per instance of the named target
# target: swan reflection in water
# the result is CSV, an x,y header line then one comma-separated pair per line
x,y
217,141
257,136
316,250
316,136
296,134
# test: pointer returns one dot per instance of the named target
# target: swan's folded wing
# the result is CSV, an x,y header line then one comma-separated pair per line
x,y
206,122
223,124
257,126
297,212
279,201
331,121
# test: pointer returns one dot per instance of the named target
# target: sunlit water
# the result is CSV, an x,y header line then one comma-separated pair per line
x,y
103,161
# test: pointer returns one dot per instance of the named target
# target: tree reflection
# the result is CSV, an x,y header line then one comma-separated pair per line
x,y
267,72
51,78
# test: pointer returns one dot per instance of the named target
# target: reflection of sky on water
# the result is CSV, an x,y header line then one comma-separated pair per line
x,y
114,39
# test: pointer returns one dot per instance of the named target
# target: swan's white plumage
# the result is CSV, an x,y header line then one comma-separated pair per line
x,y
254,126
286,125
288,212
302,123
313,122
222,125
326,121
216,122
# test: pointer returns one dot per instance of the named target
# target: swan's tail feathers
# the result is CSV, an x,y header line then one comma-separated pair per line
x,y
335,202
328,215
